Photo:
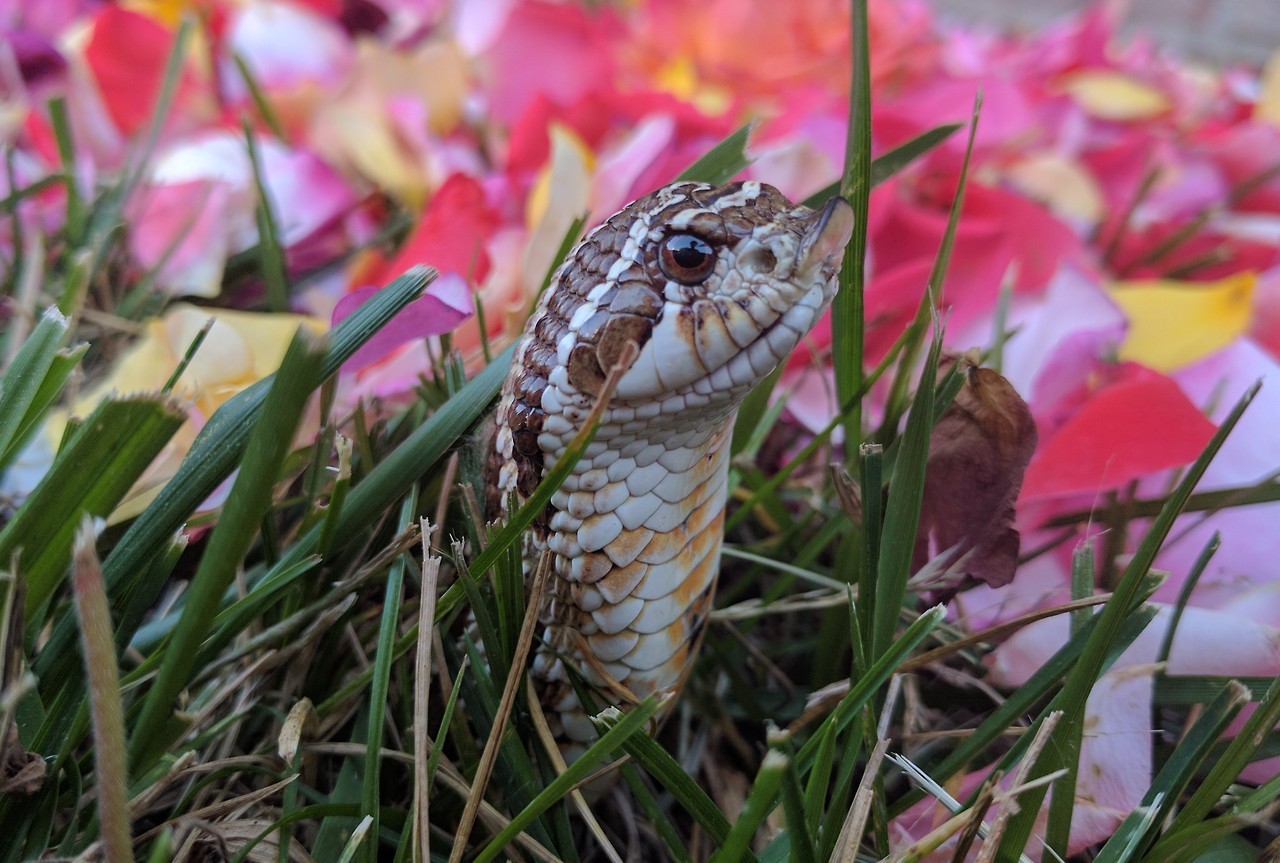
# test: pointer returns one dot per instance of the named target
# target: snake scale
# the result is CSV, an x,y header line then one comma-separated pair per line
x,y
715,285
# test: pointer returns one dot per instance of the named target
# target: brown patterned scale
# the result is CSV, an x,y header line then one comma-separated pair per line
x,y
715,285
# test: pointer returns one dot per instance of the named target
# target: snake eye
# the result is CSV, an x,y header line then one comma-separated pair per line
x,y
686,259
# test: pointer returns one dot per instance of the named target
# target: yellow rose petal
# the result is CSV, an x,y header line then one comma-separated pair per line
x,y
561,194
167,12
241,349
364,139
1174,323
1062,183
679,77
1267,108
1110,95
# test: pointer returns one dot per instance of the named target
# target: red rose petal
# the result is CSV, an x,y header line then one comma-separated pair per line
x,y
127,53
1140,424
451,234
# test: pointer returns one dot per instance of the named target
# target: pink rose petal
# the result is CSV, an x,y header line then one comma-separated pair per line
x,y
445,304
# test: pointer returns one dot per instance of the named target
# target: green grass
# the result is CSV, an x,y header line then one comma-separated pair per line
x,y
292,684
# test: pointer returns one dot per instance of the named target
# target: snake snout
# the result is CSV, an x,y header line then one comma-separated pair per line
x,y
825,237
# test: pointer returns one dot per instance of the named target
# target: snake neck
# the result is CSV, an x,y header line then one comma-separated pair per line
x,y
635,535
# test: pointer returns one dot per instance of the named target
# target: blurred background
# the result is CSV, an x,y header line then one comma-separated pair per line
x,y
1213,30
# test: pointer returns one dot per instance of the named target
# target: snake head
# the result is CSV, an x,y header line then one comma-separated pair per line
x,y
715,284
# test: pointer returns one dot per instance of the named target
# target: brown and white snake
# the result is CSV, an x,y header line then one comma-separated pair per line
x,y
715,285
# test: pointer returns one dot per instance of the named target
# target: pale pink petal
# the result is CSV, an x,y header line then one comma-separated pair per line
x,y
1189,186
1246,559
811,398
559,50
181,228
477,23
445,304
316,52
306,194
391,382
49,18
1215,382
202,192
221,157
1260,604
1207,642
1007,114
1115,755
618,167
1115,767
797,166
1059,337
1039,583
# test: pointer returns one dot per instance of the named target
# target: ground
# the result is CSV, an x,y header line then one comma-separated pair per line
x,y
1239,31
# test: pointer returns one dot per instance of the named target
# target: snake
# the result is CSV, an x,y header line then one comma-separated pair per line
x,y
707,288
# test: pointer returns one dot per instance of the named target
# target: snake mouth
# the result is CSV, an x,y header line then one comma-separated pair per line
x,y
825,237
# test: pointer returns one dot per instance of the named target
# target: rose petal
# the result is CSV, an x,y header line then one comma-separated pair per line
x,y
452,233
1137,425
1207,642
316,52
182,229
1113,95
558,50
561,195
127,53
1173,323
1059,337
445,304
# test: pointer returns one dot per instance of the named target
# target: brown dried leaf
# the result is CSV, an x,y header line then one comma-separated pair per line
x,y
848,491
301,720
21,772
977,457
221,841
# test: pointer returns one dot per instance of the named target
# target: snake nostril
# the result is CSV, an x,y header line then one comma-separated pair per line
x,y
761,259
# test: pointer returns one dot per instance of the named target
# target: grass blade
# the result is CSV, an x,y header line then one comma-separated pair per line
x,y
847,310
1136,831
619,729
760,802
104,699
937,275
271,253
902,513
389,620
503,714
1023,700
653,812
803,849
1227,767
96,468
213,455
722,161
249,500
892,162
877,677
1065,753
25,380
668,773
